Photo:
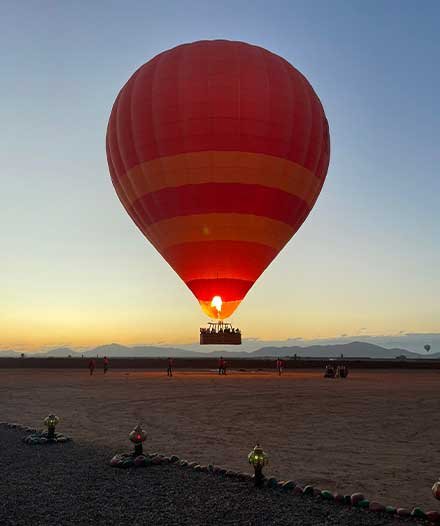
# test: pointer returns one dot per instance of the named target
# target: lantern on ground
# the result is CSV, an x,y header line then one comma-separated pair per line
x,y
51,422
258,459
137,436
436,490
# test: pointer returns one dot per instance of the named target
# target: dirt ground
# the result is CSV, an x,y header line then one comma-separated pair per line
x,y
377,431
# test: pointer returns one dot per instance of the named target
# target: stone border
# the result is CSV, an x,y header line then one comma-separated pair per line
x,y
42,437
36,437
19,427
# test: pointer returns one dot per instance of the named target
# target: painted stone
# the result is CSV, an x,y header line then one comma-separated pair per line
x,y
339,498
272,482
433,516
327,495
356,498
308,490
418,513
115,460
140,461
317,493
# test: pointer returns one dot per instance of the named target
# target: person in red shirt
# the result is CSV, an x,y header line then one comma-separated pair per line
x,y
221,366
170,367
92,366
106,364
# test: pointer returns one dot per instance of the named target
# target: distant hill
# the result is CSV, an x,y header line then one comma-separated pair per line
x,y
59,353
435,356
147,351
349,350
9,354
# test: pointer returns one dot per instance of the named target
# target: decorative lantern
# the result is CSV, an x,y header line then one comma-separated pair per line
x,y
137,436
436,490
258,459
51,422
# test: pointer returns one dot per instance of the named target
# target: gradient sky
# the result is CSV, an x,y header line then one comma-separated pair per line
x,y
75,270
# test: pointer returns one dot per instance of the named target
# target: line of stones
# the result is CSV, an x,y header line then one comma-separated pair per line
x,y
36,437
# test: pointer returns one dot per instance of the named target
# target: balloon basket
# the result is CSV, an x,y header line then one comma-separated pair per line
x,y
220,333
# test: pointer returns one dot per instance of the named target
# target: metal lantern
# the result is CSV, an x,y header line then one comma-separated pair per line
x,y
258,459
137,436
436,490
51,422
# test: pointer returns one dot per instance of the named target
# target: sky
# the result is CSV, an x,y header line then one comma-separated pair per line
x,y
74,269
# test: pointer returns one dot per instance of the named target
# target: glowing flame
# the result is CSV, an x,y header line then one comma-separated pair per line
x,y
217,303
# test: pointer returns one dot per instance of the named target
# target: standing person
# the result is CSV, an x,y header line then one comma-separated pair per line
x,y
170,367
280,365
224,366
220,365
106,364
92,366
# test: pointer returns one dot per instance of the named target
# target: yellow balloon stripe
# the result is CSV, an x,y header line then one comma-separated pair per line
x,y
218,167
219,227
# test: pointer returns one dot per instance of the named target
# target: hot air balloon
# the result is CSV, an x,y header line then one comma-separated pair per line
x,y
427,348
218,151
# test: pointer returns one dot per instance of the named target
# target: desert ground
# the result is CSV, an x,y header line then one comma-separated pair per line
x,y
377,432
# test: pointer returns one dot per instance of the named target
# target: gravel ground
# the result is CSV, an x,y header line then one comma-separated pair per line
x,y
73,484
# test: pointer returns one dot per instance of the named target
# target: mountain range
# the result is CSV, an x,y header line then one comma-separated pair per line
x,y
348,350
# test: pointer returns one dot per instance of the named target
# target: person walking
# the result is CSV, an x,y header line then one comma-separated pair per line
x,y
106,364
170,367
92,366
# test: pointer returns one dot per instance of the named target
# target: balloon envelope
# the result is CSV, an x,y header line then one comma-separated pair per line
x,y
218,151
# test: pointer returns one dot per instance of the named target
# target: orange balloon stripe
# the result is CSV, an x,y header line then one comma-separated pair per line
x,y
236,260
219,227
217,167
228,308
